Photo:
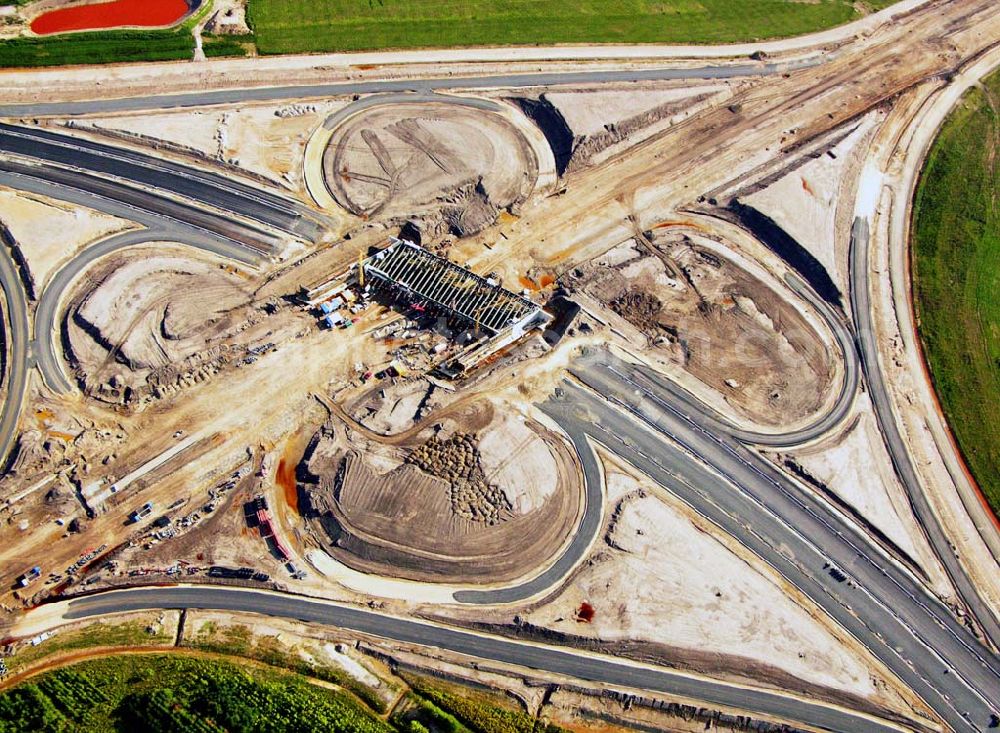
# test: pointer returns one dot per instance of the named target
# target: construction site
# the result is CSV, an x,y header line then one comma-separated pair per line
x,y
572,354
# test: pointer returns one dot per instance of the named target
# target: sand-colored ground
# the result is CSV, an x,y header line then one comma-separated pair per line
x,y
264,140
736,610
228,17
728,329
257,408
668,577
519,462
589,112
604,122
144,309
804,202
448,515
414,159
148,323
324,649
49,232
854,465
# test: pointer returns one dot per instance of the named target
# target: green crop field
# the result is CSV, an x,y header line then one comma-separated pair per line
x,y
306,26
956,273
98,47
162,693
301,26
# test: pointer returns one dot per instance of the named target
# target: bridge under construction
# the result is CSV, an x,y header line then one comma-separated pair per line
x,y
494,316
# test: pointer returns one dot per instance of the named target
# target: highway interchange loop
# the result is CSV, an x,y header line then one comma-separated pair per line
x,y
33,158
647,420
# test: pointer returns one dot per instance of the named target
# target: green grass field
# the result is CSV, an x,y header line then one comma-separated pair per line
x,y
956,273
98,47
301,26
306,26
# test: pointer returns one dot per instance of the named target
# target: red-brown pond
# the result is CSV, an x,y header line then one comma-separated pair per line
x,y
143,13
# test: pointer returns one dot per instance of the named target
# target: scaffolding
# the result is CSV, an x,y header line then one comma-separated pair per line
x,y
426,279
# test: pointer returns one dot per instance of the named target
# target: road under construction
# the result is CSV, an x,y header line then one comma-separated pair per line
x,y
236,333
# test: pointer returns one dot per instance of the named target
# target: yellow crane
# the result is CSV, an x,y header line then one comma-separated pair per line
x,y
361,269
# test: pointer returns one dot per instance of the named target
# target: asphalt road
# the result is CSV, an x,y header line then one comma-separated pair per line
x,y
861,308
548,659
158,227
882,606
17,369
664,389
45,345
159,174
580,543
141,205
310,91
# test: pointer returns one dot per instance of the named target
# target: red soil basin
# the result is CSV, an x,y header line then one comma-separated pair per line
x,y
144,13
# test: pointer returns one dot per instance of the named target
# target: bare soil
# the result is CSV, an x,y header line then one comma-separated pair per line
x,y
435,514
460,163
728,329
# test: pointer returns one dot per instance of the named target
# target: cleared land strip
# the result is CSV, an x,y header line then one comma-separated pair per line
x,y
279,93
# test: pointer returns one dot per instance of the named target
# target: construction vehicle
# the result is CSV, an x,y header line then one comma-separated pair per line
x,y
29,577
141,513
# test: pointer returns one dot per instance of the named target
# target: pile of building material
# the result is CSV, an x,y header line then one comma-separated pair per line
x,y
457,460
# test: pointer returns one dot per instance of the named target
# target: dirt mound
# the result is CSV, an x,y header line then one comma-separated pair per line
x,y
729,329
438,515
457,460
143,311
144,325
637,307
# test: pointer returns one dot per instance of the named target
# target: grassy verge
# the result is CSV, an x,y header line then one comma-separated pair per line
x,y
123,634
301,26
167,692
97,47
956,274
215,46
160,692
444,707
238,641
